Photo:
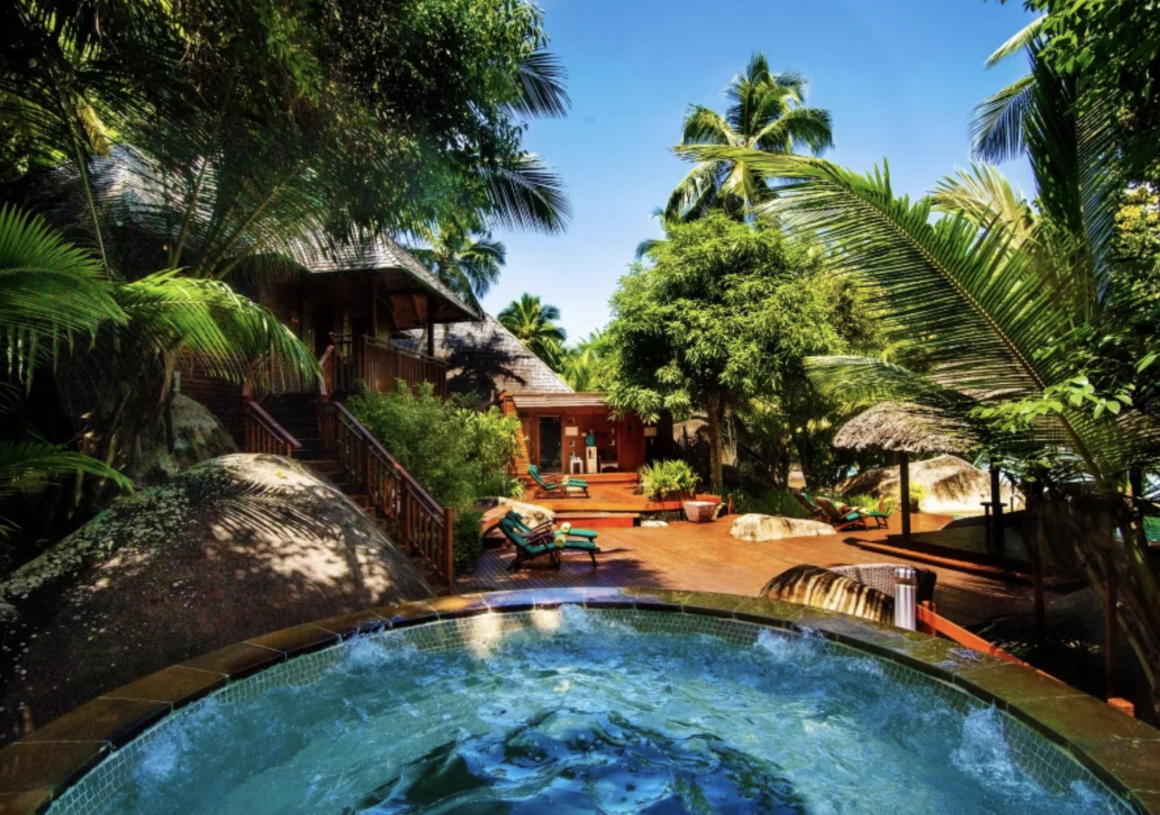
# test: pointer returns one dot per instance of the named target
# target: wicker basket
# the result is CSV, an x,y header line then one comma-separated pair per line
x,y
699,512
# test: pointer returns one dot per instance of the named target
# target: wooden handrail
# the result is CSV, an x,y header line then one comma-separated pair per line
x,y
931,623
418,524
263,434
326,363
375,445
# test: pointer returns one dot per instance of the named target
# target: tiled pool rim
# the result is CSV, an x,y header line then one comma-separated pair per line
x,y
1089,741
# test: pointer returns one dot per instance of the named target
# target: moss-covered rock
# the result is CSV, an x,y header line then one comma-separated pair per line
x,y
229,549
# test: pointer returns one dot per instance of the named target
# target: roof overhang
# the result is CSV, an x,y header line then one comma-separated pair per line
x,y
558,401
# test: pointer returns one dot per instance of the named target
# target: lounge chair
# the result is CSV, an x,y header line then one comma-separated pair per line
x,y
518,520
841,519
808,503
560,487
565,538
530,547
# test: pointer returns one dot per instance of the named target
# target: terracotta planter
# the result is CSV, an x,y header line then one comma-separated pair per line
x,y
699,512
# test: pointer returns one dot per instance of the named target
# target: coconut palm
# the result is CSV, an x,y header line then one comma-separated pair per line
x,y
534,324
768,114
469,264
583,366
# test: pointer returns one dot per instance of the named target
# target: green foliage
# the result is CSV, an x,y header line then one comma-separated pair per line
x,y
666,480
917,493
457,454
372,115
585,366
463,256
1115,47
772,502
868,502
534,324
726,312
468,539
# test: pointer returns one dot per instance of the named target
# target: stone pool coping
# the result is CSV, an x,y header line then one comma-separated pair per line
x,y
1120,751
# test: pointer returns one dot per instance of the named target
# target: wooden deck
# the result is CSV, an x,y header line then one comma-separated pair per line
x,y
609,492
704,557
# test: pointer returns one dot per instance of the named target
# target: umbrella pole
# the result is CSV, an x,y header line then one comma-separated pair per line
x,y
904,488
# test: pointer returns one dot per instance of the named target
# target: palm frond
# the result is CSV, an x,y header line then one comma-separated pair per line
x,y
706,126
985,196
49,289
525,194
1019,42
541,86
808,128
997,123
227,330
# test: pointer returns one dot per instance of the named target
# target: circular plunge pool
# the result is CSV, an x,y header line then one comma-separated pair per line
x,y
571,710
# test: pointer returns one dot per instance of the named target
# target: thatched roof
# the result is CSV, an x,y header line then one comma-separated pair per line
x,y
484,358
903,428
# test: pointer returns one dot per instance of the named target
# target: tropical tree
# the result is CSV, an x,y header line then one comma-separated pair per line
x,y
767,113
534,324
725,312
1009,306
466,259
585,365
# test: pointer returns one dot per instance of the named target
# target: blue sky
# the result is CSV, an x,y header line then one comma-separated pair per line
x,y
898,76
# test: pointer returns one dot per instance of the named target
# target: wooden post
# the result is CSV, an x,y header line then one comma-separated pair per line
x,y
430,328
997,507
374,327
1037,583
405,525
449,546
904,489
1111,625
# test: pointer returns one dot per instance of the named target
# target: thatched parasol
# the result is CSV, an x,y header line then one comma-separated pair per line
x,y
906,430
902,428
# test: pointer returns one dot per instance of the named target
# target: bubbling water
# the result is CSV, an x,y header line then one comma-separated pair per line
x,y
578,713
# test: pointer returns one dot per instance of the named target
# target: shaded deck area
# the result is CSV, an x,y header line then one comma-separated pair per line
x,y
704,557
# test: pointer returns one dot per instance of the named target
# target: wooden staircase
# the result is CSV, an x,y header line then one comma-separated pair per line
x,y
307,428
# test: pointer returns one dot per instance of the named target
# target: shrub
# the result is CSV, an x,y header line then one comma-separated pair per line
x,y
459,455
917,493
468,540
663,480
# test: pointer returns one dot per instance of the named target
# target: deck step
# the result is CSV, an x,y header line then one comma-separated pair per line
x,y
599,520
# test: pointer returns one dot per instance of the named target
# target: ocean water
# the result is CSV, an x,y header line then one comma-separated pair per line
x,y
590,716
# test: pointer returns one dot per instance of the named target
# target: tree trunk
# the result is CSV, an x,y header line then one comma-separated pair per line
x,y
716,417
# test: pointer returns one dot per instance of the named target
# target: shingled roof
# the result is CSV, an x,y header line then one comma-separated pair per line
x,y
484,358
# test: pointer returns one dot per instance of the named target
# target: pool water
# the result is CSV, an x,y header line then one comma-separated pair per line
x,y
585,714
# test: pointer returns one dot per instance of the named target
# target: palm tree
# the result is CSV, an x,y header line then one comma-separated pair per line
x,y
534,324
767,114
468,264
999,296
583,365
51,295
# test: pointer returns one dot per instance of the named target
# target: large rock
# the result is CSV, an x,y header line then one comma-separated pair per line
x,y
197,436
951,485
755,527
229,549
821,588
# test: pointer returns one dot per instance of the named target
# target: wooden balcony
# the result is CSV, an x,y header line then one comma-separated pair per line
x,y
379,365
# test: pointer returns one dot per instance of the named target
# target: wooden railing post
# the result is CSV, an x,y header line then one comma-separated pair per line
x,y
449,546
405,521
